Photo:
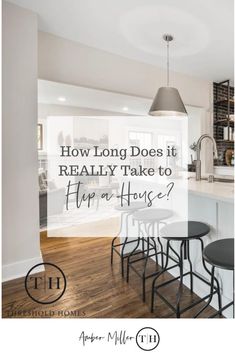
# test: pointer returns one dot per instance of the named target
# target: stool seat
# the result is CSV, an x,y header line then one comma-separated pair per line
x,y
220,253
133,206
152,215
176,230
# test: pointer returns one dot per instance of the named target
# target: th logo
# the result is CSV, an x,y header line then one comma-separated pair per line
x,y
47,285
147,339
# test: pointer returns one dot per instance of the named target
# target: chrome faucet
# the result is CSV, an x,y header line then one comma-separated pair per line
x,y
198,150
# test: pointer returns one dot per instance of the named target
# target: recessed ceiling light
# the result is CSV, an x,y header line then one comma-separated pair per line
x,y
61,99
125,109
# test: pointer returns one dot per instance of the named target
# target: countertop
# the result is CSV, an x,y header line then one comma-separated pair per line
x,y
217,191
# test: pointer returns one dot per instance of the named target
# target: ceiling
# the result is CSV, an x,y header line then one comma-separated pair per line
x,y
203,30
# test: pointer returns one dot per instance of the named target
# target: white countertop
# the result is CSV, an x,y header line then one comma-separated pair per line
x,y
217,191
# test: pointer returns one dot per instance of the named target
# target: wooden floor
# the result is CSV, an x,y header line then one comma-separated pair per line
x,y
94,288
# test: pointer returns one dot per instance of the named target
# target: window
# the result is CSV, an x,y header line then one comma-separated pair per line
x,y
140,139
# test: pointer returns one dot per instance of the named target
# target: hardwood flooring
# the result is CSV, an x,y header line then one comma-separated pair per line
x,y
94,288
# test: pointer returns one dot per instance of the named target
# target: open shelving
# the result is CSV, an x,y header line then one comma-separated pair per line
x,y
223,109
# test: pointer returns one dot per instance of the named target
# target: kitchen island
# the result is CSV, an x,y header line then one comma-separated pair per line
x,y
216,191
212,203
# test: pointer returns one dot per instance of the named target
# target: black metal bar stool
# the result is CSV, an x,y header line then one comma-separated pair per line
x,y
126,212
147,219
219,254
175,232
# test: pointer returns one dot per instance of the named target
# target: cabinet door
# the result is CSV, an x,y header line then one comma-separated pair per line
x,y
225,220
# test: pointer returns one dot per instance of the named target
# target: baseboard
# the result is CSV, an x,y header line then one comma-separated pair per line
x,y
20,268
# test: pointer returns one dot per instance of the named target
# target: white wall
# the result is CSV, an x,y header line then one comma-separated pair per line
x,y
66,61
20,184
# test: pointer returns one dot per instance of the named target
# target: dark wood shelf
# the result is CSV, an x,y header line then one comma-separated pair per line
x,y
223,109
224,122
224,103
221,140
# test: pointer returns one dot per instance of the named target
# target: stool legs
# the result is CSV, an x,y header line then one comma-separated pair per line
x,y
159,274
210,273
113,241
144,271
162,254
190,266
128,259
122,255
221,309
211,292
184,247
129,256
166,268
161,246
180,290
123,245
154,243
112,246
155,250
143,247
146,262
149,246
184,255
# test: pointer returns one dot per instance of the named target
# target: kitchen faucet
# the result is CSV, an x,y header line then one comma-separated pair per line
x,y
198,150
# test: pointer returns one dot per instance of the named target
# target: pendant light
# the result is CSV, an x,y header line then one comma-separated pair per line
x,y
167,101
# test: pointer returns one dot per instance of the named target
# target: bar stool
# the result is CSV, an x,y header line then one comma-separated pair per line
x,y
175,232
219,254
148,218
126,212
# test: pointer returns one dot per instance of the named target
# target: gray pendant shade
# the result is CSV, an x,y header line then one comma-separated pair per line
x,y
168,103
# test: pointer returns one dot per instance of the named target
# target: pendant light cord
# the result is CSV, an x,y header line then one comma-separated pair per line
x,y
168,64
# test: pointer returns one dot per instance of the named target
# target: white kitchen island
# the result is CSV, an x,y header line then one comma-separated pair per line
x,y
212,203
